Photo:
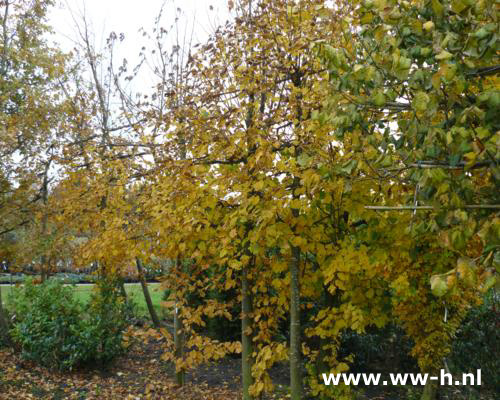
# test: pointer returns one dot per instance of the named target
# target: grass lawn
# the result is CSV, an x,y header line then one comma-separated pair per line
x,y
134,291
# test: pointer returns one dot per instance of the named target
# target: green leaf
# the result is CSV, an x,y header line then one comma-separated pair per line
x,y
481,33
379,99
420,101
465,266
349,166
444,55
428,26
458,6
303,160
439,286
367,18
426,51
438,8
489,283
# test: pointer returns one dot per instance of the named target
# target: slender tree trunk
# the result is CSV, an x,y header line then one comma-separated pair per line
x,y
295,340
179,333
44,259
295,343
45,196
123,292
43,272
429,392
247,359
147,297
4,325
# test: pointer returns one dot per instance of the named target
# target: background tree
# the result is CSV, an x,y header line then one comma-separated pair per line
x,y
30,114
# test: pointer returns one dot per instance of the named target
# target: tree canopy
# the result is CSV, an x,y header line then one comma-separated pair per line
x,y
333,167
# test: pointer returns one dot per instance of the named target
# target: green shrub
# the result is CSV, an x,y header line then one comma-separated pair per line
x,y
4,334
384,349
53,328
108,315
48,324
477,343
10,278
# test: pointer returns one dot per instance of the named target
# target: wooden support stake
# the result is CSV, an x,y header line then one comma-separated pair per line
x,y
416,208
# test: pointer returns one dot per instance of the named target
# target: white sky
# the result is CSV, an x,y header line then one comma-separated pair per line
x,y
128,16
199,18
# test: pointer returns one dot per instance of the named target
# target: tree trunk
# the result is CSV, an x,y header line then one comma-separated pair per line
x,y
295,344
43,270
45,197
147,297
295,340
429,392
4,325
247,359
123,292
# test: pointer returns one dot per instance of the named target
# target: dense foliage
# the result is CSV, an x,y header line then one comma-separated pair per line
x,y
477,344
52,328
318,170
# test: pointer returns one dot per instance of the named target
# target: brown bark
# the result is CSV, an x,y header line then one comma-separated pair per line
x,y
147,297
4,325
45,196
295,343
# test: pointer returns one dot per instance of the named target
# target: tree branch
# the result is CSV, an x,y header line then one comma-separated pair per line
x,y
485,71
412,208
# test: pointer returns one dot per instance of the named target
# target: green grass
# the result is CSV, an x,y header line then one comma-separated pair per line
x,y
6,290
134,292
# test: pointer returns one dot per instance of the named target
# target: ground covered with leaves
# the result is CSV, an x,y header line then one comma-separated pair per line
x,y
142,374
139,374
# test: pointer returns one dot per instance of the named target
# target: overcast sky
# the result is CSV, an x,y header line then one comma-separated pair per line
x,y
201,17
127,16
